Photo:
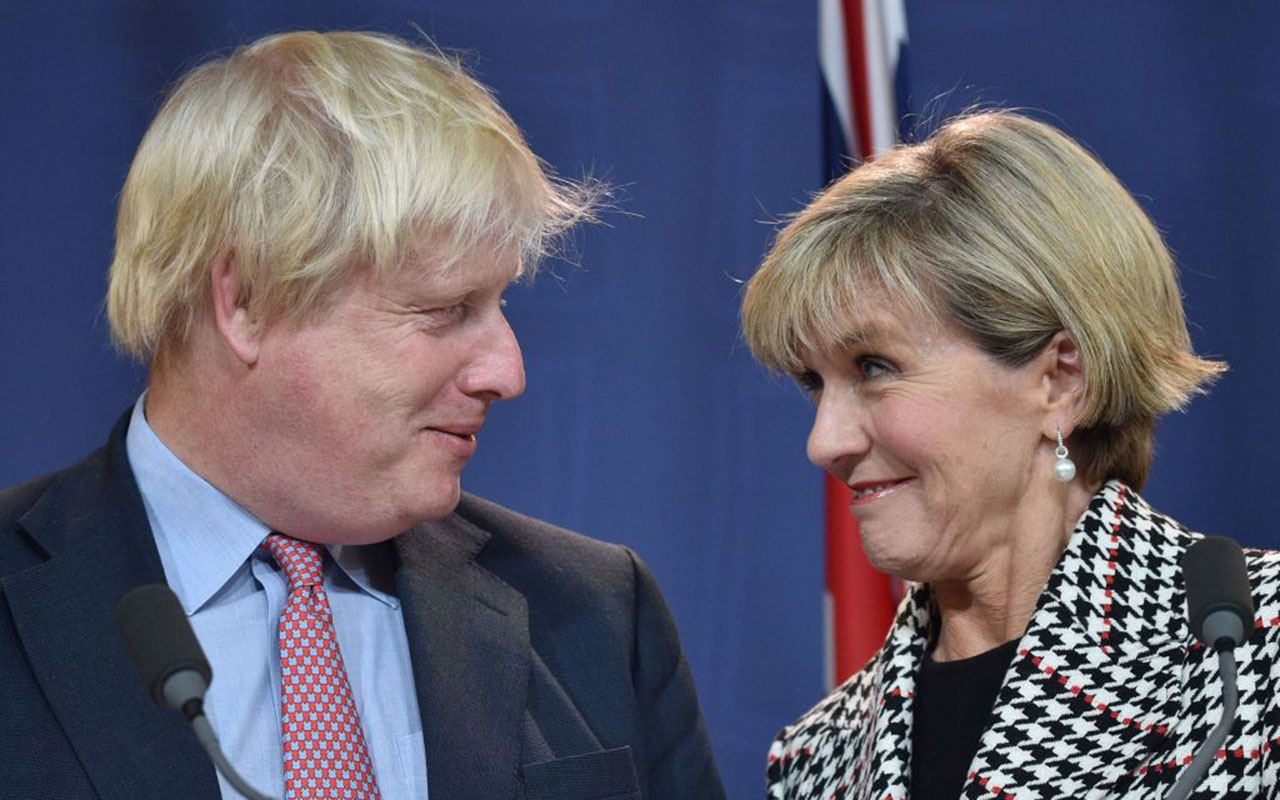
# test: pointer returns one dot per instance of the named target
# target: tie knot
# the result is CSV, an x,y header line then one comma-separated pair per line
x,y
302,562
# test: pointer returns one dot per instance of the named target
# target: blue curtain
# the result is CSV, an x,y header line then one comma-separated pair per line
x,y
645,421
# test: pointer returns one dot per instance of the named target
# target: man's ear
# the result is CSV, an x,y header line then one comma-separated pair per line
x,y
1063,379
239,327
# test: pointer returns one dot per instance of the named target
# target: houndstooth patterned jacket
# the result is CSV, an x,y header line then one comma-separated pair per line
x,y
1108,696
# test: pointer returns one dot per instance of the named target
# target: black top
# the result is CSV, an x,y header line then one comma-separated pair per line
x,y
953,701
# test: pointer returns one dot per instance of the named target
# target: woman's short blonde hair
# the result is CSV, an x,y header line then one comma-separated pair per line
x,y
304,156
1007,229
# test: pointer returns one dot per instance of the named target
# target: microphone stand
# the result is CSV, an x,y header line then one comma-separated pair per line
x,y
1209,750
209,741
173,668
1220,612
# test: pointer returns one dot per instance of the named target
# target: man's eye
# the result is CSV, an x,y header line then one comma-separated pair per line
x,y
455,311
432,318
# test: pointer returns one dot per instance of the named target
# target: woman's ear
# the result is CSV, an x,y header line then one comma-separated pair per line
x,y
1064,382
239,327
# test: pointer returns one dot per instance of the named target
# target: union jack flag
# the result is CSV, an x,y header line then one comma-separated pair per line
x,y
862,48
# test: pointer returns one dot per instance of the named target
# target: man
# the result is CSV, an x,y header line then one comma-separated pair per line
x,y
312,246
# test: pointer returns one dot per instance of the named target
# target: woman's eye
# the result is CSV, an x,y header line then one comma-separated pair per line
x,y
873,367
810,382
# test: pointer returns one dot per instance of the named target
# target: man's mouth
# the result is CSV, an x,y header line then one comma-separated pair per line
x,y
465,430
458,438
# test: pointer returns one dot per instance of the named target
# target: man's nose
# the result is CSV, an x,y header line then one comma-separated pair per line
x,y
497,371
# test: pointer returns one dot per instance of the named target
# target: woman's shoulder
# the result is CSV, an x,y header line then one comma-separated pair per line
x,y
810,755
1262,564
856,737
1263,569
1170,538
847,706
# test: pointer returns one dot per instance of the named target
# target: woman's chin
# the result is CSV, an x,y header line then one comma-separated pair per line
x,y
892,562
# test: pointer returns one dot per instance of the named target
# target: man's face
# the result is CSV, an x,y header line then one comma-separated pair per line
x,y
366,416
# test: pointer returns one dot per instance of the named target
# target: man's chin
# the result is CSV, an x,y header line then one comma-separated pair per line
x,y
435,502
372,527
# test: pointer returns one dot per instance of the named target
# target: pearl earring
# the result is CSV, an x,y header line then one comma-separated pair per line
x,y
1064,469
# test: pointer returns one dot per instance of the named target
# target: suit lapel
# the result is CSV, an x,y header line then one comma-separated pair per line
x,y
1089,704
92,526
469,643
886,771
857,743
1092,693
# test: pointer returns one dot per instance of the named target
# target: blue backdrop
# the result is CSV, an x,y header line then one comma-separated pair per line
x,y
645,421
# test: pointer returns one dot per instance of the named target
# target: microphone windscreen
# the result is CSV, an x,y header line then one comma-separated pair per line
x,y
1216,579
158,637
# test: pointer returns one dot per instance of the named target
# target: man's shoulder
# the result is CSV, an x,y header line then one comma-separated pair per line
x,y
94,478
17,501
534,553
533,536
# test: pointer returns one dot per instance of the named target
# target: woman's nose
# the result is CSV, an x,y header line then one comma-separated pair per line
x,y
839,438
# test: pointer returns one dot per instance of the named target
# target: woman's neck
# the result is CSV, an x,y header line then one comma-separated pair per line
x,y
994,605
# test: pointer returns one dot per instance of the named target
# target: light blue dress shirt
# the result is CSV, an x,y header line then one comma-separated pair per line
x,y
233,593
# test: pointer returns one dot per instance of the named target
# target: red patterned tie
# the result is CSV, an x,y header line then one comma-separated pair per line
x,y
324,750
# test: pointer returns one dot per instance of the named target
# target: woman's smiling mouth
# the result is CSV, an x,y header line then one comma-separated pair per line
x,y
869,491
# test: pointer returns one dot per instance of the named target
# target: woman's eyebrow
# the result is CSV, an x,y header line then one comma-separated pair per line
x,y
861,334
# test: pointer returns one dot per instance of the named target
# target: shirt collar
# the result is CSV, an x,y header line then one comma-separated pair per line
x,y
204,537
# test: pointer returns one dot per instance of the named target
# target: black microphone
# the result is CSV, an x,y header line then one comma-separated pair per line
x,y
1220,611
173,668
163,648
1219,600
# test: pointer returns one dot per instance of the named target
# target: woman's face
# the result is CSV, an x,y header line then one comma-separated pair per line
x,y
940,444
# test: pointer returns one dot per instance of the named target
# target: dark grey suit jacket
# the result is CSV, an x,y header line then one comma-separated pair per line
x,y
546,663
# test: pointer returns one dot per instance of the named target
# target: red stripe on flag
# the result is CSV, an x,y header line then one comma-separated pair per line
x,y
855,35
862,599
862,603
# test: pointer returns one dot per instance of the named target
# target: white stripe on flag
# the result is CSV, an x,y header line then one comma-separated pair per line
x,y
828,640
884,127
833,57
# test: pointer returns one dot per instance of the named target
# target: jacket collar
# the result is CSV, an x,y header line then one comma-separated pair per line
x,y
469,643
1113,602
91,525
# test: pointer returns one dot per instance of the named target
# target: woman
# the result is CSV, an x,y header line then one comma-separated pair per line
x,y
989,327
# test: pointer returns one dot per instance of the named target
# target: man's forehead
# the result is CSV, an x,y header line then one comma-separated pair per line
x,y
476,270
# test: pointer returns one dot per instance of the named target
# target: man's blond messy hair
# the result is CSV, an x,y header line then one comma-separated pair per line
x,y
305,156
